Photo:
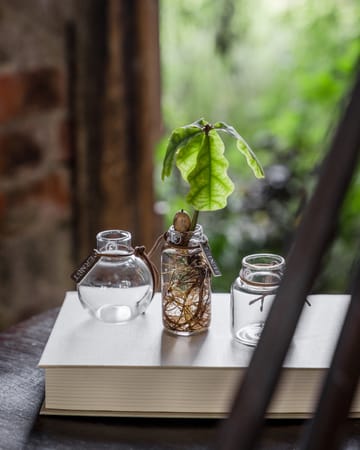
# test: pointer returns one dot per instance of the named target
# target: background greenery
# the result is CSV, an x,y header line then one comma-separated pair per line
x,y
279,72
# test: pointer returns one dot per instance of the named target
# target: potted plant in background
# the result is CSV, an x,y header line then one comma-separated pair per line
x,y
197,150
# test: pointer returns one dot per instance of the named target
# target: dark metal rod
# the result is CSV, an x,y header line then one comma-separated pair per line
x,y
325,430
241,429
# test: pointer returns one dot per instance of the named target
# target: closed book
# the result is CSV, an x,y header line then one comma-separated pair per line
x,y
138,369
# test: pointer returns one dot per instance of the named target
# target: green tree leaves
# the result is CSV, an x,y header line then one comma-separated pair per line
x,y
198,152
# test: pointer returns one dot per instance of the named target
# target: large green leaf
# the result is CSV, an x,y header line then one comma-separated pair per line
x,y
179,139
244,148
209,183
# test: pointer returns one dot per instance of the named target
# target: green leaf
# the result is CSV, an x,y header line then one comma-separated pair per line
x,y
187,155
209,183
243,147
179,139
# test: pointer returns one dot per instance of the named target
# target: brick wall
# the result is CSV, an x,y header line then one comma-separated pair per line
x,y
45,201
35,159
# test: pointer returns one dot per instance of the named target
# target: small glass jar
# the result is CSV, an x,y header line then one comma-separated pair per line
x,y
119,286
252,294
185,283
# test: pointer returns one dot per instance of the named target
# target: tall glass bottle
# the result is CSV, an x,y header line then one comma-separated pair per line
x,y
185,282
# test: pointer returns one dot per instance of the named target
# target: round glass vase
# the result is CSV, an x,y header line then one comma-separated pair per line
x,y
252,294
185,283
119,287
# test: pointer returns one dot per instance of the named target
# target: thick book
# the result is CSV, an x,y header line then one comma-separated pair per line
x,y
138,369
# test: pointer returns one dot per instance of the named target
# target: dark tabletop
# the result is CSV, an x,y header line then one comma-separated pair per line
x,y
22,391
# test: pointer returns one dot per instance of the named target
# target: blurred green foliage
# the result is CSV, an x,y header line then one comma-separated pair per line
x,y
280,73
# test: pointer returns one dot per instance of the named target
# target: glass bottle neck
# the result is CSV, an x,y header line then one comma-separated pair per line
x,y
262,271
188,239
114,241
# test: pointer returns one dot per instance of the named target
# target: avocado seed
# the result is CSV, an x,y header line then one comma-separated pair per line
x,y
182,221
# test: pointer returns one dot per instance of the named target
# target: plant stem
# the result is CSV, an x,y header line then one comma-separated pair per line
x,y
194,220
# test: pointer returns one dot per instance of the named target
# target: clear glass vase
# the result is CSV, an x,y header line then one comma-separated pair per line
x,y
185,283
119,286
252,294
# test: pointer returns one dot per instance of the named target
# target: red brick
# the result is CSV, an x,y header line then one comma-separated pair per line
x,y
17,151
54,189
33,91
28,206
13,203
43,89
11,96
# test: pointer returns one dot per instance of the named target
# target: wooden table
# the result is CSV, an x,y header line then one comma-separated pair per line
x,y
21,395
